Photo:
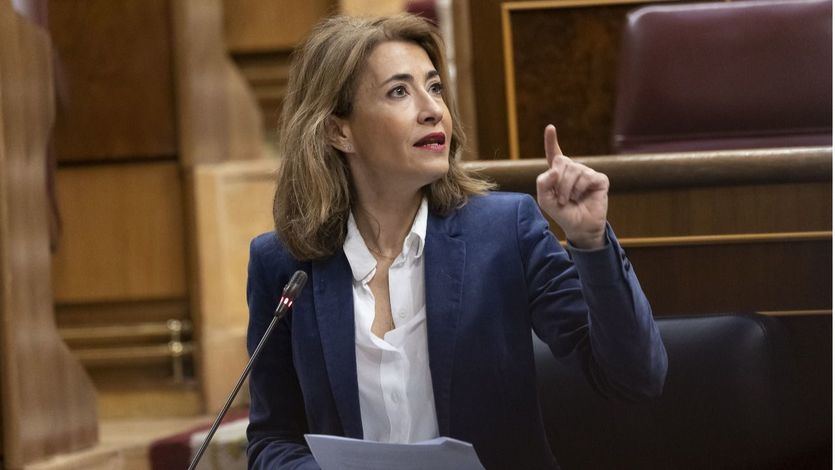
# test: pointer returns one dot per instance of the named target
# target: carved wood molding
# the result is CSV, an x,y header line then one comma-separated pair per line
x,y
725,239
627,172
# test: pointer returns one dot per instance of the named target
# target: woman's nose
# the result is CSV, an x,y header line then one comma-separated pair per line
x,y
431,109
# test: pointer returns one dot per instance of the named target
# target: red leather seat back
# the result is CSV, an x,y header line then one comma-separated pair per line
x,y
710,76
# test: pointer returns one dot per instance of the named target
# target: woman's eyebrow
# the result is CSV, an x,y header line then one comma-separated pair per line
x,y
407,77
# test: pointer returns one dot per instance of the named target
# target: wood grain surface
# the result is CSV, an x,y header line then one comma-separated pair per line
x,y
231,203
564,56
736,277
116,79
564,68
267,25
712,232
260,36
124,233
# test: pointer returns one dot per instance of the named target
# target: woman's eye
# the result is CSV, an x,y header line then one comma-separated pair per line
x,y
398,91
436,88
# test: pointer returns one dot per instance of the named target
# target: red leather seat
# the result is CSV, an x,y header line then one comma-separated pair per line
x,y
711,76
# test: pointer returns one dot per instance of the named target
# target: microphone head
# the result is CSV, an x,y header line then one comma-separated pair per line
x,y
296,284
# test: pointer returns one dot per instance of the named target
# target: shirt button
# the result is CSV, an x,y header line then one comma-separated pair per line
x,y
395,398
401,314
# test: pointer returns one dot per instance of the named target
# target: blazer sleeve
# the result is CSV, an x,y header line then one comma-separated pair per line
x,y
277,421
591,307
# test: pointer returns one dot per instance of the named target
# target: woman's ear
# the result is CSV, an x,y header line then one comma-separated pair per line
x,y
339,134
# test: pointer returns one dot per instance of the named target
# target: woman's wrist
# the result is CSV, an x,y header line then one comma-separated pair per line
x,y
588,241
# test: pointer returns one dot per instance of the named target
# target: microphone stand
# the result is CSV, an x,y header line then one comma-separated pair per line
x,y
293,287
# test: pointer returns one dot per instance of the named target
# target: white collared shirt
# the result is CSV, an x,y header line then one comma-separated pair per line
x,y
395,386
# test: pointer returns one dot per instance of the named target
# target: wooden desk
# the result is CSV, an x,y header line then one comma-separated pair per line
x,y
716,231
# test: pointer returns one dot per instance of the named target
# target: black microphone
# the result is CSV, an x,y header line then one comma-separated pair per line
x,y
288,296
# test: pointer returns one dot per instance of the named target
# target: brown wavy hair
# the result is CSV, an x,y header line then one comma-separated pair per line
x,y
314,194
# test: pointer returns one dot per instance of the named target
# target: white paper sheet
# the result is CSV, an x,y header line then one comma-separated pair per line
x,y
442,453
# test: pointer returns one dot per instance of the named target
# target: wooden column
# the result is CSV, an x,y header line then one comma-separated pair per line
x,y
48,402
232,203
218,120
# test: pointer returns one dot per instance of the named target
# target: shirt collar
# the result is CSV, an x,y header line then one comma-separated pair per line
x,y
361,260
417,236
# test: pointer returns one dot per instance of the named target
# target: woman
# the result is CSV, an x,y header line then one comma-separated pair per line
x,y
423,286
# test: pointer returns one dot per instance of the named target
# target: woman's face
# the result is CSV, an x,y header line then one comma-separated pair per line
x,y
399,130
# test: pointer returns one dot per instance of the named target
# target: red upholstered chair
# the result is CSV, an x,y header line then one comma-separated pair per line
x,y
425,8
710,76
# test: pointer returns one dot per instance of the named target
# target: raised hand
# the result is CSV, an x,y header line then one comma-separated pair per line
x,y
574,195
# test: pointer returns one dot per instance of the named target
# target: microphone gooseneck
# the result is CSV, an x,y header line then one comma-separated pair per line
x,y
288,296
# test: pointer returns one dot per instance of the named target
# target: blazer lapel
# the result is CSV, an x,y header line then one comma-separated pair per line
x,y
443,272
334,305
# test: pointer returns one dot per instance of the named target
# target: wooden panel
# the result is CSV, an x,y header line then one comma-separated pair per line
x,y
120,313
682,169
267,25
217,116
465,89
123,234
123,399
757,208
738,277
260,35
371,7
48,402
701,193
116,79
716,231
232,203
144,393
267,75
488,79
571,82
564,53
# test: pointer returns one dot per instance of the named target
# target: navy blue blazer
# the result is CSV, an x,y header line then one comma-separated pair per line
x,y
493,271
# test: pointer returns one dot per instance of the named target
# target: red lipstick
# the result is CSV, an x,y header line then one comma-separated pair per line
x,y
434,142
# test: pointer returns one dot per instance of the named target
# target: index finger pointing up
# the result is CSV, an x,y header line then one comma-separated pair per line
x,y
552,147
